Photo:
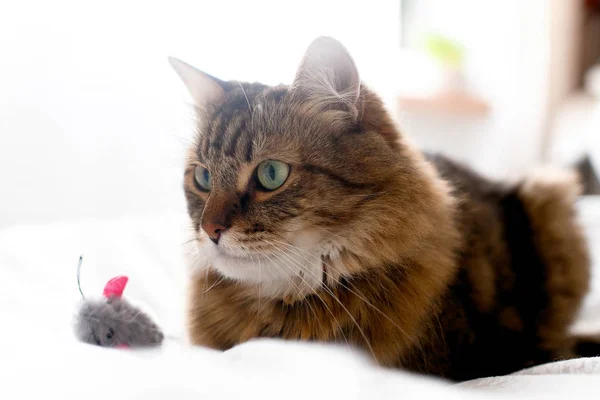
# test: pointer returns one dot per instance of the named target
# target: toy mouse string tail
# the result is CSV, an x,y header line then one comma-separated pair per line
x,y
79,275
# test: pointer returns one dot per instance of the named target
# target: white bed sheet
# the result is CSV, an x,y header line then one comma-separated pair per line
x,y
39,355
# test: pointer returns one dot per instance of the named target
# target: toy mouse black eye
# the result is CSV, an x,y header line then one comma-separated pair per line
x,y
110,333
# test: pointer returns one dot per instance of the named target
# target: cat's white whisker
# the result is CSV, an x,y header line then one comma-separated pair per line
x,y
298,288
219,280
259,279
346,287
246,96
341,330
332,295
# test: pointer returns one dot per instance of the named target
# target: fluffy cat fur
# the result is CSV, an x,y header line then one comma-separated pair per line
x,y
412,257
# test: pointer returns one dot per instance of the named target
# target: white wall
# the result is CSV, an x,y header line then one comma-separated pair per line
x,y
508,61
566,31
93,122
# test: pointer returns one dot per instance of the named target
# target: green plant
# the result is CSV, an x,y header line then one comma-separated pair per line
x,y
447,52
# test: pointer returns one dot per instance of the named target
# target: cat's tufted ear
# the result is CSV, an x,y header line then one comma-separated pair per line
x,y
328,71
205,89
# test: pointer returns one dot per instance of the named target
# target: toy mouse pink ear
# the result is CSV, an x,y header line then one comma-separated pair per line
x,y
115,287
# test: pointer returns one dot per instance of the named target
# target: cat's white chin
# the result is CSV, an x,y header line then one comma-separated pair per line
x,y
277,275
295,271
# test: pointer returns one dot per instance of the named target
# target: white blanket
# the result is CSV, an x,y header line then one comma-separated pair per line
x,y
39,355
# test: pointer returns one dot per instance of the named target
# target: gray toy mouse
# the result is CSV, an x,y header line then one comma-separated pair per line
x,y
114,322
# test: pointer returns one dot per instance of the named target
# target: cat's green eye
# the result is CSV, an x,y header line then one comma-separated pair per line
x,y
271,174
202,177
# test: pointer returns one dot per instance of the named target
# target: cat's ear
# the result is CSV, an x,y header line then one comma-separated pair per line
x,y
328,71
205,89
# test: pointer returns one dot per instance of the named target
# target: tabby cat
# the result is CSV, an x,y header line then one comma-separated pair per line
x,y
314,218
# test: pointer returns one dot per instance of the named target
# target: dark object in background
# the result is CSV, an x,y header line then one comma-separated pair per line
x,y
590,45
588,176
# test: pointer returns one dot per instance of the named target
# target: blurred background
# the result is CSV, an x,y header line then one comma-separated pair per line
x,y
94,123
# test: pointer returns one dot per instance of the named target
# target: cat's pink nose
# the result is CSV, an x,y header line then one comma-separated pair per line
x,y
218,213
214,230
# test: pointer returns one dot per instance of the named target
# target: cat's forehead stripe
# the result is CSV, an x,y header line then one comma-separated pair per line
x,y
232,134
214,133
249,150
233,130
229,131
